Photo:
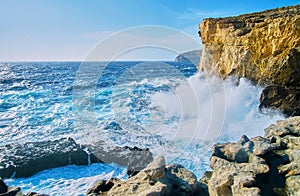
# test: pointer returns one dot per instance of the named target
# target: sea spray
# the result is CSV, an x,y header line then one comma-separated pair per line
x,y
88,155
239,103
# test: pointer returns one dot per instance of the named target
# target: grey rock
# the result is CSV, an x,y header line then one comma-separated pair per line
x,y
258,166
164,180
23,160
245,150
9,191
35,194
286,99
134,158
290,126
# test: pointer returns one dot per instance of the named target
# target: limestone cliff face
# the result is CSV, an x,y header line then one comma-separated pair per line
x,y
264,46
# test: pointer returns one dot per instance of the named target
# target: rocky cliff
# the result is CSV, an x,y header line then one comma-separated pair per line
x,y
264,46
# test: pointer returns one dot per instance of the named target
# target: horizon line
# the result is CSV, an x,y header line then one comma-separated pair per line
x,y
46,61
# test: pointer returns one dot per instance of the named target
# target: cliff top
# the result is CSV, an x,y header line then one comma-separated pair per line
x,y
259,16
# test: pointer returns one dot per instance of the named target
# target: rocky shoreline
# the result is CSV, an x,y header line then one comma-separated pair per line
x,y
268,165
251,166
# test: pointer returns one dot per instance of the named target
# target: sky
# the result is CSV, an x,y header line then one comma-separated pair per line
x,y
67,30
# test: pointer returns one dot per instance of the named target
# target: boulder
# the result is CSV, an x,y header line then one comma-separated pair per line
x,y
23,160
102,187
286,133
286,99
159,179
35,194
134,158
245,150
236,165
288,127
9,191
266,165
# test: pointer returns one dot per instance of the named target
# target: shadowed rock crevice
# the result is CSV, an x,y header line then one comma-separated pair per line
x,y
270,182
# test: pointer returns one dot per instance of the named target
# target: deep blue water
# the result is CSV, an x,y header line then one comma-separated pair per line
x,y
36,99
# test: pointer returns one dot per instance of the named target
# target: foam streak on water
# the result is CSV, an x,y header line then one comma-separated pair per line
x,y
69,180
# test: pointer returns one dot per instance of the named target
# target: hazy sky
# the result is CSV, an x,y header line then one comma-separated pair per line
x,y
68,29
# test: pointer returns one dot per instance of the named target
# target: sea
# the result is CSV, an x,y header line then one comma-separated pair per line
x,y
167,107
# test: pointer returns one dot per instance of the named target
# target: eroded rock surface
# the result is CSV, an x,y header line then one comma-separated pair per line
x,y
286,133
102,187
157,179
23,160
263,47
287,99
134,158
266,165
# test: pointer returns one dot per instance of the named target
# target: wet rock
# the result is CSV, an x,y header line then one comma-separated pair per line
x,y
160,179
35,194
23,160
134,158
3,187
9,191
286,99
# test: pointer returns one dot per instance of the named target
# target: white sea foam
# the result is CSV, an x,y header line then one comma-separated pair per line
x,y
69,180
224,111
232,105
